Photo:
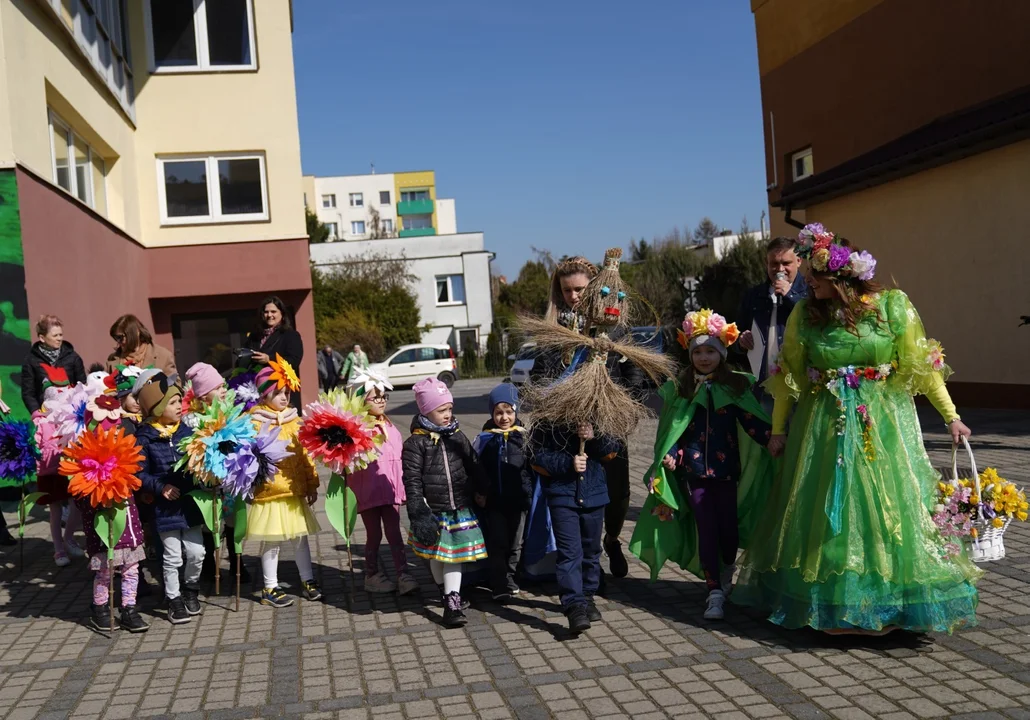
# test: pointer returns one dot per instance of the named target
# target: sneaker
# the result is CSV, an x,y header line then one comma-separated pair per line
x,y
6,539
275,597
714,611
593,614
73,550
406,584
616,560
177,614
443,599
578,620
133,621
502,597
61,560
379,583
453,617
191,597
310,590
726,579
100,618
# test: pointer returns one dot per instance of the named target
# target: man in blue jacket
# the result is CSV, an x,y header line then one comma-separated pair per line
x,y
769,305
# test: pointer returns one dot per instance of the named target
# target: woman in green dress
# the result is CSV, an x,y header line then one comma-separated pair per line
x,y
847,544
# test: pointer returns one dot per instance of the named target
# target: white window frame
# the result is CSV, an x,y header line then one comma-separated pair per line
x,y
334,230
331,197
214,190
450,291
364,227
53,119
356,200
389,195
387,224
203,51
801,155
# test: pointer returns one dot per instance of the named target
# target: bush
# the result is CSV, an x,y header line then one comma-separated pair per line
x,y
469,360
723,285
349,328
495,360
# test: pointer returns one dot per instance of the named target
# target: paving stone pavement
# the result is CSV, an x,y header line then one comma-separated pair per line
x,y
387,657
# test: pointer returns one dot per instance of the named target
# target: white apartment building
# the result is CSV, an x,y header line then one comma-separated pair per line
x,y
453,285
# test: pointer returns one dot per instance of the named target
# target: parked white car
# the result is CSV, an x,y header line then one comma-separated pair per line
x,y
410,363
524,359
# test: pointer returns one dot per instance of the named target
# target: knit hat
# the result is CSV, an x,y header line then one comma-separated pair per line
x,y
431,394
204,379
125,377
711,341
154,390
504,393
705,327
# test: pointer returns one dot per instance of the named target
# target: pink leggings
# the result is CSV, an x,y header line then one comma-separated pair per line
x,y
73,524
376,520
130,583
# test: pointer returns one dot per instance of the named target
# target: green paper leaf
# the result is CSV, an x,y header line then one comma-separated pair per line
x,y
336,497
240,529
23,510
206,500
110,523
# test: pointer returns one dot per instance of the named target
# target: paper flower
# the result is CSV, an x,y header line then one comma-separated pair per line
x,y
221,429
48,444
254,463
716,324
366,380
18,452
839,256
863,265
935,356
706,322
104,410
69,413
283,374
102,466
820,259
339,432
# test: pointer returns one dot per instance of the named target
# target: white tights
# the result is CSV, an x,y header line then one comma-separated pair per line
x,y
446,574
270,562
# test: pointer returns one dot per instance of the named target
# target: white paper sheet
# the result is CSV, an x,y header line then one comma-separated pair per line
x,y
755,354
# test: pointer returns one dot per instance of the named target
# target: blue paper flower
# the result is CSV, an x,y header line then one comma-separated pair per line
x,y
18,452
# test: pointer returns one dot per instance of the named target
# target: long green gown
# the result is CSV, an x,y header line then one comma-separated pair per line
x,y
847,541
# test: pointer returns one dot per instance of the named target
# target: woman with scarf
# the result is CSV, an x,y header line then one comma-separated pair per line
x,y
276,336
134,345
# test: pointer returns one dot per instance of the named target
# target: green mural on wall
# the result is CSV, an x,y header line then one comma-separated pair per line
x,y
15,327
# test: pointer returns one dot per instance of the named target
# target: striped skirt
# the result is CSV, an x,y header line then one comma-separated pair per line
x,y
461,540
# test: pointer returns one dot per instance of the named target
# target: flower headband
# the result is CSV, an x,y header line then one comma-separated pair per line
x,y
706,322
282,376
368,380
817,245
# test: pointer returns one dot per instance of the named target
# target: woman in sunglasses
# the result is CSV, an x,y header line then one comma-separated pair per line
x,y
134,345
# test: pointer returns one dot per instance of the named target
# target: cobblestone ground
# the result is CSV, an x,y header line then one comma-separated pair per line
x,y
383,657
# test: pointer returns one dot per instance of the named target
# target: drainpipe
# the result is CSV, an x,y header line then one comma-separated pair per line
x,y
791,221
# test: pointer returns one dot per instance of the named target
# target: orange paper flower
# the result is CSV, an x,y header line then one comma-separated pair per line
x,y
283,374
102,466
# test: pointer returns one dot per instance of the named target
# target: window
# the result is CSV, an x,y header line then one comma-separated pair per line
x,y
418,222
802,162
77,167
357,227
357,200
328,201
212,189
413,195
200,35
333,233
408,356
98,27
387,225
450,290
426,354
442,354
468,339
384,197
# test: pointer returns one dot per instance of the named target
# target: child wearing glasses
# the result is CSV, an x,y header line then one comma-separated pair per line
x,y
379,489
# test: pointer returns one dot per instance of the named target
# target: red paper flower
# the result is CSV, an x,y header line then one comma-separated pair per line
x,y
102,467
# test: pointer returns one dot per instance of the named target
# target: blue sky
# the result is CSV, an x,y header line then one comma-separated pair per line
x,y
570,126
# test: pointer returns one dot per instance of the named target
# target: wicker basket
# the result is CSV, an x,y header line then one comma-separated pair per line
x,y
989,543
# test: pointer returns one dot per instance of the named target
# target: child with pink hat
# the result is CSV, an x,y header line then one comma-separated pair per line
x,y
441,474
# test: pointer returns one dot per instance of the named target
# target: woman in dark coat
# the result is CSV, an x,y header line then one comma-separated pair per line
x,y
276,337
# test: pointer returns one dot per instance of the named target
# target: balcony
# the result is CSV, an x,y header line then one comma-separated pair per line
x,y
415,207
417,232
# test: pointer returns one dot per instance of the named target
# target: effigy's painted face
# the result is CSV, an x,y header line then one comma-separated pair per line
x,y
611,307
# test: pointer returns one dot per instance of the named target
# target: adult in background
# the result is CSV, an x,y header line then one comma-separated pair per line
x,y
356,360
767,306
330,363
568,283
134,345
276,336
53,362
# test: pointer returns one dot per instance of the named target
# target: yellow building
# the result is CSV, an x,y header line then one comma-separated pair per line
x,y
149,164
903,125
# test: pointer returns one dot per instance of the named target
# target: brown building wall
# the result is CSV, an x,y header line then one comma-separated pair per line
x,y
895,67
78,267
81,268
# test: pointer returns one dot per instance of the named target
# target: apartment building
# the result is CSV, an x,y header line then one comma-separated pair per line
x,y
904,125
369,207
149,164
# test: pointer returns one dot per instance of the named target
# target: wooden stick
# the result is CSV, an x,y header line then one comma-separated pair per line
x,y
21,531
218,541
350,556
110,570
237,576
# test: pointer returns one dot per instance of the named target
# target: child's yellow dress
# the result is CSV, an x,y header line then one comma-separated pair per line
x,y
280,509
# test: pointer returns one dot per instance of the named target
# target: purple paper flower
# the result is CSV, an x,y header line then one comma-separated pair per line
x,y
253,463
839,257
813,229
18,452
245,387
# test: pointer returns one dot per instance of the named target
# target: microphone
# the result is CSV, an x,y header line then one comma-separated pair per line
x,y
773,296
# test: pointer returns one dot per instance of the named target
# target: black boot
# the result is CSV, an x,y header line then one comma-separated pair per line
x,y
443,599
578,620
593,614
132,621
100,618
616,560
453,617
207,570
191,597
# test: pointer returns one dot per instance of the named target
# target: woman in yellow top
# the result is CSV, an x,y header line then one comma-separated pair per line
x,y
847,544
281,509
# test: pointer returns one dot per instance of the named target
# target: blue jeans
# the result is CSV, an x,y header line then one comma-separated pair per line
x,y
577,534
